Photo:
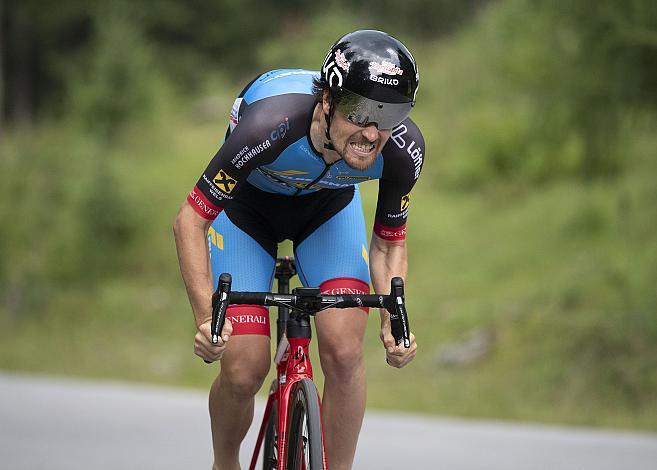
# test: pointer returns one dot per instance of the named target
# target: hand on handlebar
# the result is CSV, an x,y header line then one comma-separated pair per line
x,y
203,346
397,355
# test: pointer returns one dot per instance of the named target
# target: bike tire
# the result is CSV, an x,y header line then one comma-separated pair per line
x,y
270,444
305,447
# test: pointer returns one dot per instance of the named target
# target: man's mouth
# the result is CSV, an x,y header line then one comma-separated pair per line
x,y
362,149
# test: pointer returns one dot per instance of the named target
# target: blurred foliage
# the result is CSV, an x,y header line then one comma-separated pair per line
x,y
539,118
560,83
50,46
114,87
585,69
70,219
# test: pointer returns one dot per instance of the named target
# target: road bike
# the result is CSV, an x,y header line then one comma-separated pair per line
x,y
291,433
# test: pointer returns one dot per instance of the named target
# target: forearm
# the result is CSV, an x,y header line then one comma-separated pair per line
x,y
387,260
190,232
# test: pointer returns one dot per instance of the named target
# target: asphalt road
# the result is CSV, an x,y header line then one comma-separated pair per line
x,y
57,424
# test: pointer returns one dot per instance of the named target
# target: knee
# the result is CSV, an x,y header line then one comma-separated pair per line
x,y
343,361
243,380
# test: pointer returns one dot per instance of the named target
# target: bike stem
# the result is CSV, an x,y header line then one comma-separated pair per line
x,y
285,270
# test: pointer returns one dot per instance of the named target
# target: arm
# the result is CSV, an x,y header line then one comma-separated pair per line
x,y
404,155
387,260
246,147
190,232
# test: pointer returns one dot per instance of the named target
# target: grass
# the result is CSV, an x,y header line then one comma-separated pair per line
x,y
563,274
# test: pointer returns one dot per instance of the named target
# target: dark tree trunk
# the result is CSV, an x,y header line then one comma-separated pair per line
x,y
20,73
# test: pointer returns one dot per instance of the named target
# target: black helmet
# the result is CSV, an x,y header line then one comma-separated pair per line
x,y
373,77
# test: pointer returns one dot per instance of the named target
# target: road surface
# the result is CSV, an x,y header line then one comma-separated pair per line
x,y
64,424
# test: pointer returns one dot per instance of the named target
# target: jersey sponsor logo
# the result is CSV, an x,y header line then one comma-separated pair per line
x,y
248,319
413,149
343,291
310,153
273,178
341,60
383,80
405,202
390,233
386,67
215,238
345,286
240,154
224,181
287,180
216,192
353,177
261,319
280,130
243,157
202,206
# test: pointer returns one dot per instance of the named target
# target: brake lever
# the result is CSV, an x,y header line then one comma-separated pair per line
x,y
219,305
398,318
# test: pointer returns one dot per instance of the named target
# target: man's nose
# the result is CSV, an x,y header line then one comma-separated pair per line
x,y
371,132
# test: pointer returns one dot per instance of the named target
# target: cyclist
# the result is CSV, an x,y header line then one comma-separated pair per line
x,y
297,145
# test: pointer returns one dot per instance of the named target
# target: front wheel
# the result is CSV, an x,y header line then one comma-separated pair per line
x,y
305,444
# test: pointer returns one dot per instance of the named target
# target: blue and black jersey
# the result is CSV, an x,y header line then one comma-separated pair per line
x,y
268,146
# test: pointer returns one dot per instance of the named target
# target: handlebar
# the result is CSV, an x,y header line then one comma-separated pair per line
x,y
310,301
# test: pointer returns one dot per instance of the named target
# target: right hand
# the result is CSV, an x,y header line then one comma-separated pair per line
x,y
203,346
396,354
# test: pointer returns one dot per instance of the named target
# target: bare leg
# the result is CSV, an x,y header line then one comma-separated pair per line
x,y
243,369
340,335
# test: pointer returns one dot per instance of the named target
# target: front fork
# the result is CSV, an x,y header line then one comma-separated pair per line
x,y
296,367
293,366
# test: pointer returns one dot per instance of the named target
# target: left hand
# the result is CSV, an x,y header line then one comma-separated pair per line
x,y
396,354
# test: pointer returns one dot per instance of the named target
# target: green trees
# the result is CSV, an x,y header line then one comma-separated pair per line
x,y
581,72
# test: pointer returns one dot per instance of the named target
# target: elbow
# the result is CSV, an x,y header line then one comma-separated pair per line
x,y
178,222
187,220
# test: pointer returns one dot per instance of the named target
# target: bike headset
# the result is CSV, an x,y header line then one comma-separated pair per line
x,y
372,78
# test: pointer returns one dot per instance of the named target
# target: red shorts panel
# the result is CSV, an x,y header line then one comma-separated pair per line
x,y
249,319
345,285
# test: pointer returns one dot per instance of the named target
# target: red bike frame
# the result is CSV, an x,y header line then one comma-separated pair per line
x,y
294,365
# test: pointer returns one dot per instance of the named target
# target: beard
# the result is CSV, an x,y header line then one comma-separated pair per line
x,y
358,162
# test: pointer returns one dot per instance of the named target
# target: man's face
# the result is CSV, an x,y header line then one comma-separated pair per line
x,y
357,145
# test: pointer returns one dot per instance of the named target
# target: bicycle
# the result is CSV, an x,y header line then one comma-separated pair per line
x,y
291,430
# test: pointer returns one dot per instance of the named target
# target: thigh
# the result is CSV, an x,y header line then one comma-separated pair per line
x,y
334,258
234,251
335,255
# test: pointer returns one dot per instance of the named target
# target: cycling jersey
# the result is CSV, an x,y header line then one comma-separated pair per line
x,y
268,146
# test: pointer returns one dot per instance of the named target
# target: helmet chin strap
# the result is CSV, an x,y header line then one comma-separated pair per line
x,y
329,145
